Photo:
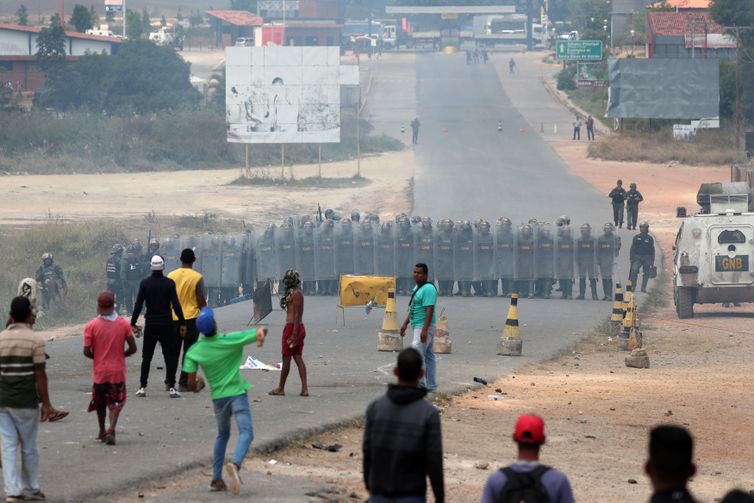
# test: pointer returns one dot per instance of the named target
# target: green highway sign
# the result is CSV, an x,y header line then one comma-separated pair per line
x,y
578,50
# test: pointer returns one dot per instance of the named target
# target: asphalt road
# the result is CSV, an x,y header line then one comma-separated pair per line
x,y
470,171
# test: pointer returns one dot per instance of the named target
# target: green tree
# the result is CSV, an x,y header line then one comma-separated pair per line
x,y
178,15
22,15
109,16
134,29
51,45
163,21
93,15
146,25
81,18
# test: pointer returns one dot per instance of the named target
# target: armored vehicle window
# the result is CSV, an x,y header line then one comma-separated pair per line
x,y
731,237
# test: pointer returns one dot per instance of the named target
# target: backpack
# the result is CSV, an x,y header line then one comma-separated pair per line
x,y
524,487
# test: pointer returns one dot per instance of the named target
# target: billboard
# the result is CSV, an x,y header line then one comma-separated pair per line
x,y
578,50
590,75
285,94
113,5
664,88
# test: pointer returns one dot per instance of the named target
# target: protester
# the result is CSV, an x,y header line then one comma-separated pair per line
x,y
189,286
105,338
402,439
159,294
590,128
527,479
219,356
421,317
577,128
670,464
23,385
293,333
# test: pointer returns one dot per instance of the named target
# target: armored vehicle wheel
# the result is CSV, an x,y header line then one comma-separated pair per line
x,y
684,304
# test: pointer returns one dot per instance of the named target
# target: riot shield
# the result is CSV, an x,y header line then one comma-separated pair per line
x,y
564,260
232,263
267,262
544,261
285,245
170,250
425,247
344,248
484,260
305,258
505,264
608,248
210,251
324,251
463,256
444,242
586,261
365,248
525,261
404,256
385,254
248,262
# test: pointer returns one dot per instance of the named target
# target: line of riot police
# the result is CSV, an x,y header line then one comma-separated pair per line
x,y
464,258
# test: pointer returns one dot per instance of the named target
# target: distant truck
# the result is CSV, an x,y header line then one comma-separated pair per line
x,y
102,31
162,37
714,249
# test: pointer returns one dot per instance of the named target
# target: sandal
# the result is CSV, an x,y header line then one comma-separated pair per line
x,y
275,392
58,415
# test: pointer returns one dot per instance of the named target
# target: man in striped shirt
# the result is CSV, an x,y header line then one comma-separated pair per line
x,y
23,385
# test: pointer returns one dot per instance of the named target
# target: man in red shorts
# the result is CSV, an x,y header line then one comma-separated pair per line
x,y
105,338
293,333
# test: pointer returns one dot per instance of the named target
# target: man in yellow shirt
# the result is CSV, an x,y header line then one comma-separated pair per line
x,y
189,285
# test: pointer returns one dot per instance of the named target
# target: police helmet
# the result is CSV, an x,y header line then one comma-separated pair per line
x,y
633,185
586,229
355,215
644,224
47,256
346,222
329,212
416,219
117,248
608,227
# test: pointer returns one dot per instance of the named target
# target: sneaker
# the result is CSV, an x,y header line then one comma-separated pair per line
x,y
235,478
174,393
142,392
217,486
14,498
34,496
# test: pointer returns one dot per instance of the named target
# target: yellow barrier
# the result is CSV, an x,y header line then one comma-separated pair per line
x,y
354,291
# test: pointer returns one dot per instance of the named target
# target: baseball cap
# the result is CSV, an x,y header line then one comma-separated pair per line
x,y
188,255
105,302
205,322
530,429
157,264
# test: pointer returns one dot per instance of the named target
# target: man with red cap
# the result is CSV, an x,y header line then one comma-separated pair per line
x,y
108,341
527,479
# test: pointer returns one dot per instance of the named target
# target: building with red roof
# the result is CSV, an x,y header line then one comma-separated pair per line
x,y
687,34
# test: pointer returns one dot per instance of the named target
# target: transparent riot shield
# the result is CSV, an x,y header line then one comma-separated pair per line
x,y
170,249
365,248
305,257
484,261
608,248
344,248
385,254
463,256
544,261
443,243
564,260
210,251
404,256
324,255
525,276
267,262
586,261
505,264
249,262
285,245
425,247
231,284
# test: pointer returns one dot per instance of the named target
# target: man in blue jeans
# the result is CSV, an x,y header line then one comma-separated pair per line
x,y
220,357
421,316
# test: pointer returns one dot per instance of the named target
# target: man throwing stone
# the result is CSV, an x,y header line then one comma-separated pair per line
x,y
220,357
421,316
293,333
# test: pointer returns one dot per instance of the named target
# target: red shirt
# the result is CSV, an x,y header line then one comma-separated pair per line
x,y
107,340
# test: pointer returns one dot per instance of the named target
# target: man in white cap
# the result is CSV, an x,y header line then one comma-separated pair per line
x,y
159,294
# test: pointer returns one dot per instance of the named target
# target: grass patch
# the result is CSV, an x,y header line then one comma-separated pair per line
x,y
593,100
315,182
709,147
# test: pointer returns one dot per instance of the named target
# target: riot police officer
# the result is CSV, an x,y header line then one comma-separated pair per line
x,y
267,264
355,217
463,259
642,256
285,251
386,250
505,263
444,257
325,254
365,249
404,256
112,272
425,247
525,261
608,247
344,248
484,257
131,275
585,261
544,256
564,258
50,279
305,247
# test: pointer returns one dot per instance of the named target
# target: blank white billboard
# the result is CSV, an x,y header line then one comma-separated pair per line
x,y
284,94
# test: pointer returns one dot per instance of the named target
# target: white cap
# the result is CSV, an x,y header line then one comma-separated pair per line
x,y
157,263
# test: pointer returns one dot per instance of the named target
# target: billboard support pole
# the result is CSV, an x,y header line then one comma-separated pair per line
x,y
319,160
282,161
248,171
358,135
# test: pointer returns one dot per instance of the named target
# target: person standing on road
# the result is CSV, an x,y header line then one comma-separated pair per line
x,y
105,338
642,256
511,66
577,128
189,286
421,317
670,464
590,128
159,294
618,196
219,356
402,439
527,479
23,385
293,333
415,130
633,198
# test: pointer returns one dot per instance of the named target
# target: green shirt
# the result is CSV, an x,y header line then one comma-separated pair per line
x,y
220,358
425,297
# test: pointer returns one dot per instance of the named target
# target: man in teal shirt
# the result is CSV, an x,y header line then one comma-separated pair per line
x,y
220,357
421,316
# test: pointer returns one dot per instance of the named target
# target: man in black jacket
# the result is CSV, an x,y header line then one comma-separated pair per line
x,y
159,294
402,439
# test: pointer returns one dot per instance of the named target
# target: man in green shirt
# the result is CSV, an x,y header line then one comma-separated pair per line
x,y
220,357
421,316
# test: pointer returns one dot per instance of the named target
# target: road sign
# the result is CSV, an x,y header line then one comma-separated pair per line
x,y
578,50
